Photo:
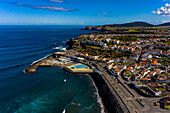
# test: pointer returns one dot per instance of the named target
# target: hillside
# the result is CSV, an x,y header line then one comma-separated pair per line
x,y
164,24
131,24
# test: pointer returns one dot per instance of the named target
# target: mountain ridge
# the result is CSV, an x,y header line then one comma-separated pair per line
x,y
130,24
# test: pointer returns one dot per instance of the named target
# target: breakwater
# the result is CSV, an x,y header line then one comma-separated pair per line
x,y
33,67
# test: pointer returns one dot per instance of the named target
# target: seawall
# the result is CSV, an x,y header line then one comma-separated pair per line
x,y
33,67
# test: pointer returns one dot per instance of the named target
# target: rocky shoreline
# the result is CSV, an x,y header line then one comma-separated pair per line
x,y
109,100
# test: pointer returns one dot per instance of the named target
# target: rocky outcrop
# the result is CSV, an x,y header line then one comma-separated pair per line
x,y
88,28
30,70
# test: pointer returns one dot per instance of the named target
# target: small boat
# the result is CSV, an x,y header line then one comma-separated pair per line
x,y
65,80
74,104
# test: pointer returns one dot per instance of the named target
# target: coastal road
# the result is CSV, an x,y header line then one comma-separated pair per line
x,y
116,88
129,98
129,102
113,87
111,84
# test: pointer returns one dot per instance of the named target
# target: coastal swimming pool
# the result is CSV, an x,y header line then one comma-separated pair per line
x,y
79,66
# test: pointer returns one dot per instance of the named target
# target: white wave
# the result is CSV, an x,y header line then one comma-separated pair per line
x,y
64,111
24,71
58,47
36,62
61,48
40,59
99,100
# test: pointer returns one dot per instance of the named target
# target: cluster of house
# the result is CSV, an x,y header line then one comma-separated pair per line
x,y
147,68
157,31
114,44
143,65
158,35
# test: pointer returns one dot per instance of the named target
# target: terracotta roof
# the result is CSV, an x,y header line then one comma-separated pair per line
x,y
161,78
129,67
135,64
117,69
86,53
154,62
149,76
145,79
152,72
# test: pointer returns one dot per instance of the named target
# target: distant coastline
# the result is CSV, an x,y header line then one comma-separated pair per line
x,y
131,24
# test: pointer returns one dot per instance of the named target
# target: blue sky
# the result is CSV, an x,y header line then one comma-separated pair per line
x,y
83,12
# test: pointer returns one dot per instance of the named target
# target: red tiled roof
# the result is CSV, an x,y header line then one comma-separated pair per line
x,y
129,67
135,64
117,69
145,79
151,72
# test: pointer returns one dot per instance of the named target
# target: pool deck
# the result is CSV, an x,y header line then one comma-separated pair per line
x,y
78,69
61,60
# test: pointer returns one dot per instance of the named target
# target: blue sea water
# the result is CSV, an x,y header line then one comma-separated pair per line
x,y
43,91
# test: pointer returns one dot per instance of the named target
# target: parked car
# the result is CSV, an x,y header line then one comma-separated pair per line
x,y
155,104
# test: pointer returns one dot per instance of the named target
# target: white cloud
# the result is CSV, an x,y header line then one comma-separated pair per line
x,y
102,15
165,11
106,12
164,21
59,1
51,8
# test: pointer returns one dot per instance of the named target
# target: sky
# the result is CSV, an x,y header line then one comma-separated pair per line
x,y
83,12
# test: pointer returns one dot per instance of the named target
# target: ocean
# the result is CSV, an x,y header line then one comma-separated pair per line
x,y
43,91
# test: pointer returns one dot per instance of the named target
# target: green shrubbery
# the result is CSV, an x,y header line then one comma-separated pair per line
x,y
94,51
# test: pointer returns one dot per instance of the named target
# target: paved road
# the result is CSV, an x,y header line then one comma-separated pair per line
x,y
130,100
126,99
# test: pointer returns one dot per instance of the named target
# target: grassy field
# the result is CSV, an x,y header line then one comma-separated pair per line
x,y
93,47
167,107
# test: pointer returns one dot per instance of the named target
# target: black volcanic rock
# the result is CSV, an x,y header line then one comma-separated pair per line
x,y
70,43
82,29
88,28
92,28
